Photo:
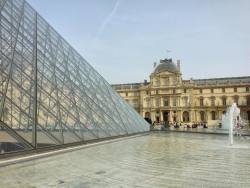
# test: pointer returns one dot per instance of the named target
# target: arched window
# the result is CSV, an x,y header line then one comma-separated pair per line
x,y
248,115
224,100
185,116
202,114
248,100
236,99
213,115
147,114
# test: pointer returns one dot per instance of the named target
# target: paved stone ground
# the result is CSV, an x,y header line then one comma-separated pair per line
x,y
156,160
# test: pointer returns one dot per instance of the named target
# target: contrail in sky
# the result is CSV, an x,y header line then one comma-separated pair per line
x,y
107,20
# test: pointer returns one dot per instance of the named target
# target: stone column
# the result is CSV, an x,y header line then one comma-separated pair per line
x,y
161,115
191,116
207,115
152,116
195,116
170,116
179,116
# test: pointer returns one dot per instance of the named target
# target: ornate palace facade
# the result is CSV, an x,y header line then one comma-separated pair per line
x,y
169,98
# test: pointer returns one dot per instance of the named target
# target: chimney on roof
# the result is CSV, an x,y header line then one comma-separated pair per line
x,y
145,82
179,65
155,64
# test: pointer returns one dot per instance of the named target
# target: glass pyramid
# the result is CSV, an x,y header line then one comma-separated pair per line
x,y
50,95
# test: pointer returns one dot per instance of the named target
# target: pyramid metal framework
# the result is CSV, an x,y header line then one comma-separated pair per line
x,y
50,95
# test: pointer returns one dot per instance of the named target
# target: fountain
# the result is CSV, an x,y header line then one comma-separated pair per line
x,y
230,121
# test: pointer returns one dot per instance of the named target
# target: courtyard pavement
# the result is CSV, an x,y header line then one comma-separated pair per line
x,y
159,159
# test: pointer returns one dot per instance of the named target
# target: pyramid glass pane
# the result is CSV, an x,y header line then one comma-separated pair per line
x,y
49,94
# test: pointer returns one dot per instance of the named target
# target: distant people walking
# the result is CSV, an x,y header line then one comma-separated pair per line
x,y
239,127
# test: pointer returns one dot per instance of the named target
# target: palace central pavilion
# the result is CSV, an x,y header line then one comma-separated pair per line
x,y
169,98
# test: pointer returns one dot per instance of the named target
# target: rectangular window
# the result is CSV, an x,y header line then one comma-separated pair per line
x,y
236,99
213,102
201,102
202,115
174,102
186,101
157,102
224,101
185,90
158,82
235,89
135,102
148,102
247,89
248,100
223,90
212,90
165,102
200,90
213,114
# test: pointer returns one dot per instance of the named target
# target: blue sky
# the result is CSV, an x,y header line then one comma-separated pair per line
x,y
122,38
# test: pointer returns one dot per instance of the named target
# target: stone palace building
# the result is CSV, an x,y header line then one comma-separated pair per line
x,y
169,98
